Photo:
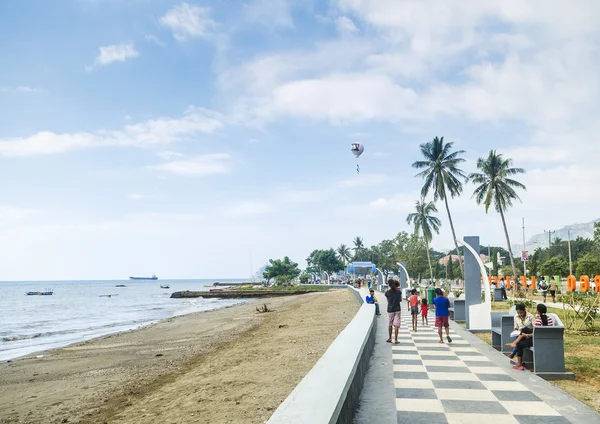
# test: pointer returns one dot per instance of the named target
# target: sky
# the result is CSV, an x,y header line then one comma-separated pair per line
x,y
199,139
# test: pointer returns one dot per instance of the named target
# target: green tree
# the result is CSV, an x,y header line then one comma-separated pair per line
x,y
450,267
506,270
495,187
555,266
324,261
442,175
425,223
588,265
597,235
385,257
344,253
415,256
282,271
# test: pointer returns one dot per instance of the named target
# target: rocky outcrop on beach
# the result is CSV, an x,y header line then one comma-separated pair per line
x,y
237,294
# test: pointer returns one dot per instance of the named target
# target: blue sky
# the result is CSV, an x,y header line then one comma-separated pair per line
x,y
182,138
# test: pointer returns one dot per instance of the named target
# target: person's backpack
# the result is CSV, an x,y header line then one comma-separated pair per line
x,y
543,285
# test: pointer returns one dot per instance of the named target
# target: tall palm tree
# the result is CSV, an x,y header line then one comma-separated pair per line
x,y
344,253
359,246
496,187
425,222
442,176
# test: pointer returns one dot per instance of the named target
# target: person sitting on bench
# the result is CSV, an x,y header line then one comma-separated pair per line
x,y
525,339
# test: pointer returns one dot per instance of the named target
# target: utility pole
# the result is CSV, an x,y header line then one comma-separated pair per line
x,y
524,249
549,237
570,261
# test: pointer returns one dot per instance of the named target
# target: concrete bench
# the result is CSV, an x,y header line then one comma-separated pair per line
x,y
457,310
548,352
502,326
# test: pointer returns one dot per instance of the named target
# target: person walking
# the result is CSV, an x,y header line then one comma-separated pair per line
x,y
553,289
424,310
442,304
543,286
394,297
413,303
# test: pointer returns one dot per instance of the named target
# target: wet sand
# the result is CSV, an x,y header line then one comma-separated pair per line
x,y
232,365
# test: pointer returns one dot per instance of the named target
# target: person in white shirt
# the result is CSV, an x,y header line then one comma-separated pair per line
x,y
522,319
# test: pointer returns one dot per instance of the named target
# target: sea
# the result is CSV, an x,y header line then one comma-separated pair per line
x,y
81,310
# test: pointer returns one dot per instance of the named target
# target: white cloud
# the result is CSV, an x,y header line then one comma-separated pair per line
x,y
248,207
305,196
152,132
211,164
10,214
364,180
345,25
187,21
20,89
154,39
168,155
275,13
113,53
136,196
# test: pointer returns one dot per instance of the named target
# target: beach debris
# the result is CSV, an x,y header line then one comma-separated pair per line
x,y
159,354
263,309
283,325
64,420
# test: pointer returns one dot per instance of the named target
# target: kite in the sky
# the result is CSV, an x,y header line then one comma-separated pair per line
x,y
357,150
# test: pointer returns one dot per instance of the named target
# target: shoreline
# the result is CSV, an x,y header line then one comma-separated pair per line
x,y
233,362
84,336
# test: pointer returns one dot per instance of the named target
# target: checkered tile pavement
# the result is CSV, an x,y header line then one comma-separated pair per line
x,y
454,383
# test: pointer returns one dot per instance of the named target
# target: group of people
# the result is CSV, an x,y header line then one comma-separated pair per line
x,y
394,298
524,323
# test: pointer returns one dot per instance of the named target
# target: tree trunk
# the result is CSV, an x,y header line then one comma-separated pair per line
x,y
429,259
512,259
462,266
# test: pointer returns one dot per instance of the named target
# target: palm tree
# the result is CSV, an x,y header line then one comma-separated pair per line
x,y
359,246
343,252
442,176
424,222
496,187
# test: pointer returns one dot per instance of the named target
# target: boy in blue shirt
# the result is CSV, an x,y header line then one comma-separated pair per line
x,y
441,314
372,299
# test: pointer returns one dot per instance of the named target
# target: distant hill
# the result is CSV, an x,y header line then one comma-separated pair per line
x,y
541,240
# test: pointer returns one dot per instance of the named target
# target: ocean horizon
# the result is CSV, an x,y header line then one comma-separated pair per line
x,y
81,310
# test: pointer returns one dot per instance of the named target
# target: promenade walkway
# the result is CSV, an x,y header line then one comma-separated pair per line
x,y
464,382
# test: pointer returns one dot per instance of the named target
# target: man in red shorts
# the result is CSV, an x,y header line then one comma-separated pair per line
x,y
441,314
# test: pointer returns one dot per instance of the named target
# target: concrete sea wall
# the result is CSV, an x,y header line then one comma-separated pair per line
x,y
329,393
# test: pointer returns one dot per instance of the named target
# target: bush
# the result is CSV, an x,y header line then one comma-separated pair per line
x,y
580,306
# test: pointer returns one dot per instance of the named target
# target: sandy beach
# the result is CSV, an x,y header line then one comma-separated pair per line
x,y
231,365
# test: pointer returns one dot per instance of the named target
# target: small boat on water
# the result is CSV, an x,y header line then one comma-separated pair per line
x,y
48,292
154,277
165,286
120,285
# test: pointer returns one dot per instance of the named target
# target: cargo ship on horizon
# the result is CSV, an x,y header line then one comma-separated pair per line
x,y
154,277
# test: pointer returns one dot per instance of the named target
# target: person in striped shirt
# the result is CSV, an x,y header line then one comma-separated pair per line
x,y
526,338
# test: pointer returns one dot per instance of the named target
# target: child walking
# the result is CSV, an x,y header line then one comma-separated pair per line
x,y
424,310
